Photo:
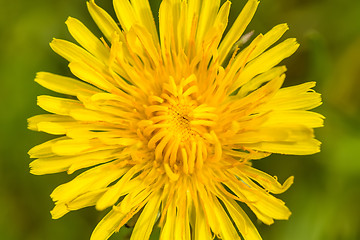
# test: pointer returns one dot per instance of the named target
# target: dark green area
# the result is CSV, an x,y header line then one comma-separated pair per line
x,y
325,197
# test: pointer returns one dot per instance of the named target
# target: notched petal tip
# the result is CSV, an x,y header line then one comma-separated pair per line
x,y
31,124
32,168
53,42
69,20
285,25
39,75
59,210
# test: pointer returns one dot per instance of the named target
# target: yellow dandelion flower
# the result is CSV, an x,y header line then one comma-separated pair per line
x,y
166,125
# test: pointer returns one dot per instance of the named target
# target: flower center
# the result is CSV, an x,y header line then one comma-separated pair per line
x,y
180,130
179,121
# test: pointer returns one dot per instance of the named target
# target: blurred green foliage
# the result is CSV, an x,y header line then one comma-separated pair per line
x,y
325,197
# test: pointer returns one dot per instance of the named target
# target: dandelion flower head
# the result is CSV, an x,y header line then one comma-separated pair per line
x,y
164,123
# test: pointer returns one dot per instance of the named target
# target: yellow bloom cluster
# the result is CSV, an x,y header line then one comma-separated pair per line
x,y
166,125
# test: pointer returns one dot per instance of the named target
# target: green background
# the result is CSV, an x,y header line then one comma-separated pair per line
x,y
325,197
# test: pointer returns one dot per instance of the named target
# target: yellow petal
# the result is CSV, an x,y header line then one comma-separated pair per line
x,y
270,208
259,80
85,131
113,193
120,214
269,38
221,20
90,75
208,207
64,85
93,116
166,27
87,39
286,117
289,133
265,206
208,13
222,17
87,163
299,97
70,147
58,125
125,13
268,182
61,106
241,220
103,20
167,231
119,141
255,100
45,149
238,63
50,165
33,122
59,210
74,53
146,221
108,225
90,180
193,10
144,14
192,19
70,164
228,232
307,147
213,34
266,61
246,155
146,40
136,198
85,200
77,55
237,29
180,220
202,230
182,37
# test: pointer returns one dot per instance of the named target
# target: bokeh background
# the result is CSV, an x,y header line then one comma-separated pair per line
x,y
325,199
